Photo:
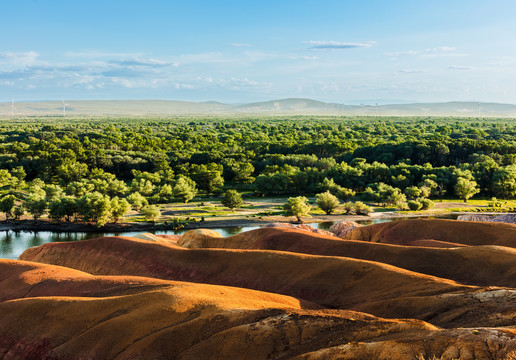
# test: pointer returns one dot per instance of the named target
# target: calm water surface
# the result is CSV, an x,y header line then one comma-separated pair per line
x,y
13,243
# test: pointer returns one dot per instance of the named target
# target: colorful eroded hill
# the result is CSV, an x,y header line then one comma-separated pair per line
x,y
271,293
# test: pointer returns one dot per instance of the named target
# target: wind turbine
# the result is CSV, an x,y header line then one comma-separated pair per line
x,y
64,108
12,107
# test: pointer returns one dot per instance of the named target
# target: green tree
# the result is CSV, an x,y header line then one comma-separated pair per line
x,y
465,188
6,178
79,188
298,207
137,200
35,205
232,199
119,207
412,192
53,191
151,213
337,190
64,207
143,186
426,203
95,207
18,212
348,206
504,182
165,194
414,205
7,205
184,189
362,209
327,202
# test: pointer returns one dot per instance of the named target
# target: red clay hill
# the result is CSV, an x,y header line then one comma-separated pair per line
x,y
272,293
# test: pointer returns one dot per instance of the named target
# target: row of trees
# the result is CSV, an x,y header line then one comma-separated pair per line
x,y
92,207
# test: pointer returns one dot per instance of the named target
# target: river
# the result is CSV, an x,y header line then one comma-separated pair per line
x,y
13,243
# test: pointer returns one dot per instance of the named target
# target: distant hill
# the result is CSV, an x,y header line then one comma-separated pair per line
x,y
290,106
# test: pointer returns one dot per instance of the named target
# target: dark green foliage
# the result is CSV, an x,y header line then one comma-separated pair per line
x,y
95,207
414,205
327,202
272,156
298,207
465,188
137,201
232,199
35,205
184,189
7,205
151,213
64,207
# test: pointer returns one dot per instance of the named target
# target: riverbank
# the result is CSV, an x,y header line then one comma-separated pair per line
x,y
210,223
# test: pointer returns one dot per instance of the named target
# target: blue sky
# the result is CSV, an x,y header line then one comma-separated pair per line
x,y
242,51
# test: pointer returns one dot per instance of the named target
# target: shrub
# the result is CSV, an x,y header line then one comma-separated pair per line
x,y
137,200
298,207
232,199
348,207
327,202
151,213
414,205
362,209
426,204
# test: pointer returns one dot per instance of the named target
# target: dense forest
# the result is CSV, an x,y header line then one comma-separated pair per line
x,y
385,159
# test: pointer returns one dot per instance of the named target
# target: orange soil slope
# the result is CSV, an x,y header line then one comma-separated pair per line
x,y
462,232
475,265
74,315
334,282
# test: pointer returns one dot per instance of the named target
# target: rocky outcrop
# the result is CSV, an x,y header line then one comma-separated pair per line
x,y
461,232
303,227
505,218
341,228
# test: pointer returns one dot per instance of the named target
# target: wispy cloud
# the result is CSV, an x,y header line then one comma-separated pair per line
x,y
19,58
461,67
88,54
141,62
336,45
412,71
442,51
240,45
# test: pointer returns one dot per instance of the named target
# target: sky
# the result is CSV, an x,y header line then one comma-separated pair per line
x,y
244,51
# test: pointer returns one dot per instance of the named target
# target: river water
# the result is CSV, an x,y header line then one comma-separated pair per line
x,y
13,243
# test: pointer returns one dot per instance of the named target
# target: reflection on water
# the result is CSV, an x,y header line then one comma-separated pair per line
x,y
35,240
13,243
325,225
6,246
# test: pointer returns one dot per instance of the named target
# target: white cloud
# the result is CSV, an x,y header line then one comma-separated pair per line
x,y
412,71
100,54
336,45
141,62
20,58
240,45
442,51
461,67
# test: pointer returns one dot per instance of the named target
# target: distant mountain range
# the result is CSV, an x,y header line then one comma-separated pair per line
x,y
292,106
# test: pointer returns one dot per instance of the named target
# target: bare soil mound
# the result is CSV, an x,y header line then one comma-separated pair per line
x,y
333,282
481,265
462,232
73,315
